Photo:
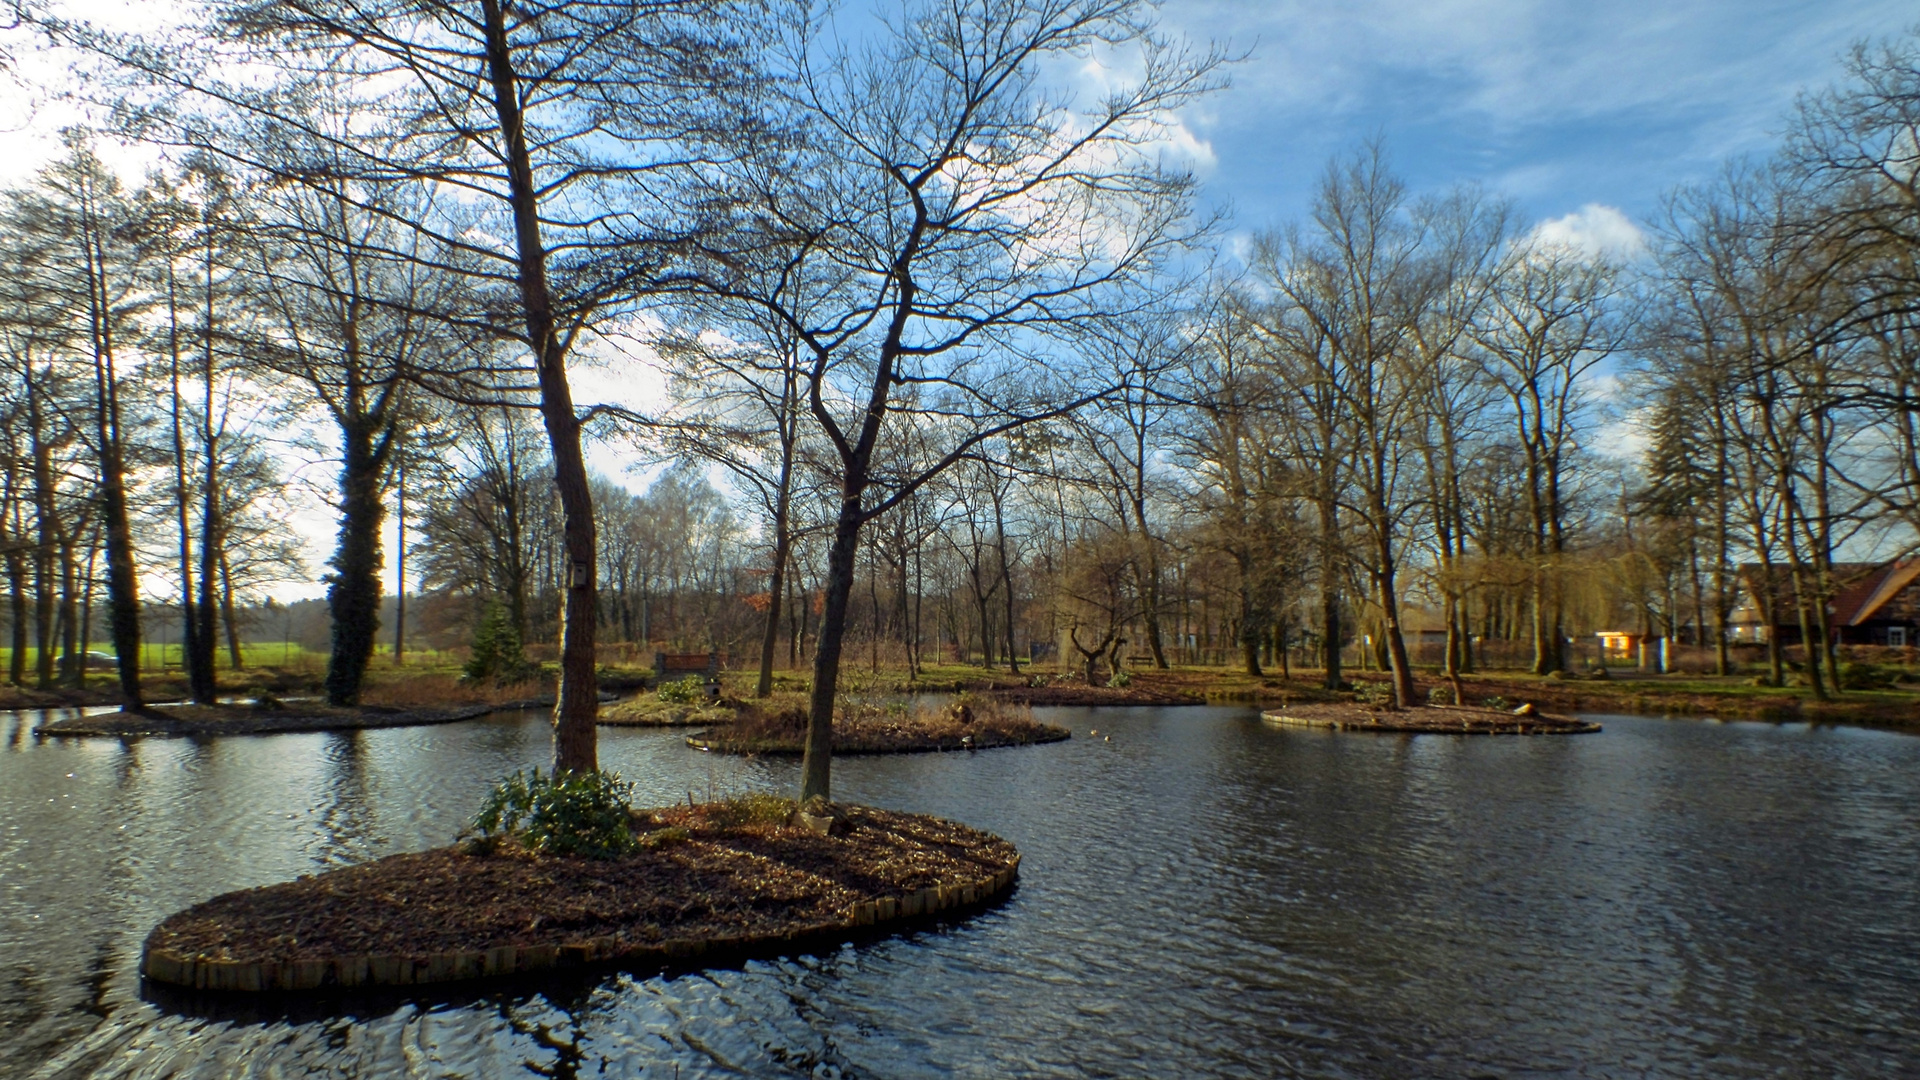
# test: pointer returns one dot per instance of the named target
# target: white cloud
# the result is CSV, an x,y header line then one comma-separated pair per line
x,y
1525,60
1622,438
1597,230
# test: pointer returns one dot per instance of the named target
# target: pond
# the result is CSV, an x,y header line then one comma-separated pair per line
x,y
1201,896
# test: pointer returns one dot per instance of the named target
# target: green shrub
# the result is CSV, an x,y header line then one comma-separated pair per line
x,y
1861,676
1441,695
1373,693
679,692
570,813
1121,680
497,653
1495,702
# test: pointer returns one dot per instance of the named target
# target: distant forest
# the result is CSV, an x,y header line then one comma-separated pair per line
x,y
1410,427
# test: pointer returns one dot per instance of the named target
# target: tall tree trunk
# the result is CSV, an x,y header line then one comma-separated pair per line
x,y
200,679
1451,659
47,544
400,564
1767,600
980,598
1249,622
123,584
1810,649
577,709
72,671
816,765
919,601
82,647
234,658
1396,645
353,595
17,590
206,612
873,597
776,593
1330,593
1006,584
1722,648
212,523
1542,624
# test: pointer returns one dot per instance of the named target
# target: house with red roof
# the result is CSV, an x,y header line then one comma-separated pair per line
x,y
1872,604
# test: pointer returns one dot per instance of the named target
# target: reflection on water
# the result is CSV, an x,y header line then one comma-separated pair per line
x,y
1202,896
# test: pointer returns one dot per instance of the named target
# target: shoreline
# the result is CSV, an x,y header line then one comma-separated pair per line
x,y
1636,697
1425,720
189,721
858,747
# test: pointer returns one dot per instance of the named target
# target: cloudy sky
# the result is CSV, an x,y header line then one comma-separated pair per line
x,y
1584,112
1562,104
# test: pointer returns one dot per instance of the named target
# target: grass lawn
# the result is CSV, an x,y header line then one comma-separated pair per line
x,y
1627,691
434,677
168,656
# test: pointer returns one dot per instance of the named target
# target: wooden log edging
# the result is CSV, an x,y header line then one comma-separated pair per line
x,y
270,976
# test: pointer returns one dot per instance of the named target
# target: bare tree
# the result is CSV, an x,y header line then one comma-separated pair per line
x,y
949,218
740,405
1548,322
341,294
1355,290
553,122
95,269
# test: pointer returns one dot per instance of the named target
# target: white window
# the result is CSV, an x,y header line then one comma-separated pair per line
x,y
1897,636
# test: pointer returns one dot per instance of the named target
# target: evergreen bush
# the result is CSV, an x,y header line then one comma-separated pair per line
x,y
567,813
497,652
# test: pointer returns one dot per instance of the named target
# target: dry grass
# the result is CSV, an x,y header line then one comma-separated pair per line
x,y
647,710
444,689
875,727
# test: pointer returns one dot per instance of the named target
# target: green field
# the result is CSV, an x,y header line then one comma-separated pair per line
x,y
157,656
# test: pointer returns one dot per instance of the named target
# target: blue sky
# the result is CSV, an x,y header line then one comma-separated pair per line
x,y
1558,104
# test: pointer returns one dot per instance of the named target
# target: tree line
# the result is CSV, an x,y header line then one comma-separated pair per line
x,y
954,361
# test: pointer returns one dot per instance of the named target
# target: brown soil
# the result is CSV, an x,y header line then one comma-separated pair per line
x,y
1430,719
702,877
180,720
971,723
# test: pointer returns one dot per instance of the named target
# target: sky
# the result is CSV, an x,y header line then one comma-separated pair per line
x,y
1560,105
1584,113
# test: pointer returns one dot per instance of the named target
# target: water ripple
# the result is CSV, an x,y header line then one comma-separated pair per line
x,y
1202,896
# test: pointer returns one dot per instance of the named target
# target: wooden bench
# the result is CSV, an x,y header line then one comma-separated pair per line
x,y
670,666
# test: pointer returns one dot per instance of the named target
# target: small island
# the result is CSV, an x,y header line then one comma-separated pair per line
x,y
730,879
266,718
966,723
1427,720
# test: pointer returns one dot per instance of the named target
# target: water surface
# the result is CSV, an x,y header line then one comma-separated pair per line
x,y
1201,896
